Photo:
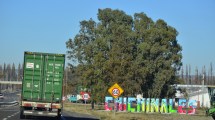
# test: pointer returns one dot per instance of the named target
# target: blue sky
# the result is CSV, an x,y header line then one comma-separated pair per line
x,y
45,25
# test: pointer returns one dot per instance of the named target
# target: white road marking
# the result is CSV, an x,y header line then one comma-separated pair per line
x,y
62,118
10,116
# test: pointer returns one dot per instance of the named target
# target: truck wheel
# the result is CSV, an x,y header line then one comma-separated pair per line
x,y
21,113
58,115
213,116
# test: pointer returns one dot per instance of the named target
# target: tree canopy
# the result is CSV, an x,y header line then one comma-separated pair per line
x,y
141,55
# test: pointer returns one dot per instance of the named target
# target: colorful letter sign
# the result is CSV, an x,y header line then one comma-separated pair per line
x,y
151,105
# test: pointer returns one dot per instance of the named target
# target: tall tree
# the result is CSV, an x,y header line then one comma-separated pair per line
x,y
1,72
182,73
207,75
204,76
13,73
4,71
187,75
20,72
211,73
8,71
1,69
141,55
196,76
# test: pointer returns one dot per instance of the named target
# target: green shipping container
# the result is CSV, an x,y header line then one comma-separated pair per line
x,y
43,77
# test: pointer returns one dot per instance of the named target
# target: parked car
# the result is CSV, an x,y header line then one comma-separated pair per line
x,y
73,98
1,96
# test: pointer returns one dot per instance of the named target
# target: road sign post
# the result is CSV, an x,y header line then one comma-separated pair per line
x,y
85,104
85,97
115,91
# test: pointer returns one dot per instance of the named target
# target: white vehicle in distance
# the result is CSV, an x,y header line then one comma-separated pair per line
x,y
1,96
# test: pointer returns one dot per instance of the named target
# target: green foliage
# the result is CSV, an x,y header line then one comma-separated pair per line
x,y
141,55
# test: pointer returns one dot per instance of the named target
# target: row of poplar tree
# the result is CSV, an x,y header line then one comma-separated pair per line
x,y
197,77
9,72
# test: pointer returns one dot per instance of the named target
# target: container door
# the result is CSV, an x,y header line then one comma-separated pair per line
x,y
33,76
53,78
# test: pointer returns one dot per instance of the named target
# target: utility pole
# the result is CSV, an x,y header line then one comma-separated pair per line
x,y
66,78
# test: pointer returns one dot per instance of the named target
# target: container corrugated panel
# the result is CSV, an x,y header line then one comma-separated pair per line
x,y
43,77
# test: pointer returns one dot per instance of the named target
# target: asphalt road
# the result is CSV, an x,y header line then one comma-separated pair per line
x,y
9,97
12,112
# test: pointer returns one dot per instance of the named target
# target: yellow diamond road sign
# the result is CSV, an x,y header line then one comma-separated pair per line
x,y
115,90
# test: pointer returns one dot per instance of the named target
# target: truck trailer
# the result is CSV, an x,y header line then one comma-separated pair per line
x,y
42,85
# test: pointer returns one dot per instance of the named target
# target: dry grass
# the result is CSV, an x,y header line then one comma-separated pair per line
x,y
111,115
